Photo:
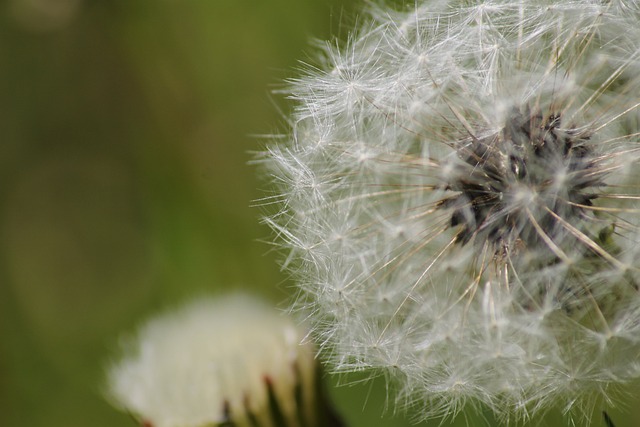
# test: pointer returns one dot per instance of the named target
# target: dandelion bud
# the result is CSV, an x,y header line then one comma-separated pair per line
x,y
460,202
227,362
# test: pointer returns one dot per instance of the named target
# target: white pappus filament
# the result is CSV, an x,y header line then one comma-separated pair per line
x,y
460,202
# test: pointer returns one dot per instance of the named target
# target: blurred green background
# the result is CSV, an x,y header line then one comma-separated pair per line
x,y
126,129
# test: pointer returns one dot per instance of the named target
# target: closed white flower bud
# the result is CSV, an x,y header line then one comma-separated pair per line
x,y
460,198
231,362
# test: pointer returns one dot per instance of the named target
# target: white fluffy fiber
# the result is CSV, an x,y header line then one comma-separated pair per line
x,y
207,363
379,129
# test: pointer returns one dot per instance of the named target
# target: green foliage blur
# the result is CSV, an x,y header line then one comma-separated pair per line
x,y
126,130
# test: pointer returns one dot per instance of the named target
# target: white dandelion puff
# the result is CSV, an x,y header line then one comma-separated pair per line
x,y
461,202
229,361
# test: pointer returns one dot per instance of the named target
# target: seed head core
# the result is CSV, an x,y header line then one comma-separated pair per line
x,y
511,187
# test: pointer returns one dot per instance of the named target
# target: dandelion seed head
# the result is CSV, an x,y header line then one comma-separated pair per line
x,y
476,227
216,361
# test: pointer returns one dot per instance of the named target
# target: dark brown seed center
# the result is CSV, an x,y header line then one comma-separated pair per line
x,y
511,188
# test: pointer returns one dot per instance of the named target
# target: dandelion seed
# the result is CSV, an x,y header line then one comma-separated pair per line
x,y
230,361
474,227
